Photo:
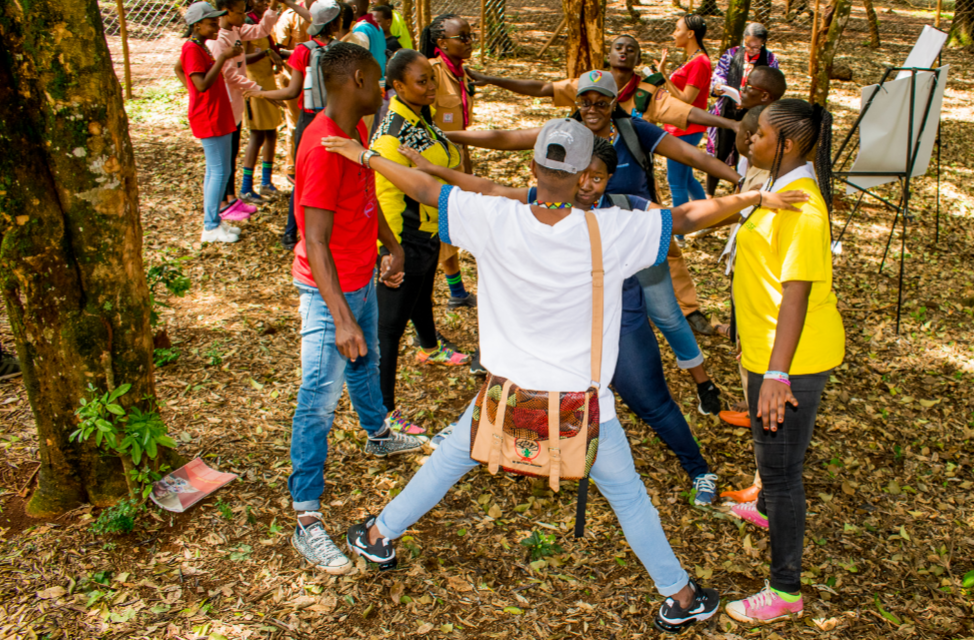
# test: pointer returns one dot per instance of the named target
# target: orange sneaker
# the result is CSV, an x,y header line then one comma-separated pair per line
x,y
736,418
744,495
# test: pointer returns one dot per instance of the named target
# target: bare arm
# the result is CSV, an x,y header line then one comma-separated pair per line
x,y
419,186
675,149
688,94
204,82
700,214
178,69
534,88
516,140
292,90
298,9
788,330
707,119
465,181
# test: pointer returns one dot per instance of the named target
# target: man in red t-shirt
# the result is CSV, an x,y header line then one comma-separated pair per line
x,y
334,262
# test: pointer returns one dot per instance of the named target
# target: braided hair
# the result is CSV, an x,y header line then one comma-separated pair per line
x,y
433,33
397,65
698,25
604,151
806,125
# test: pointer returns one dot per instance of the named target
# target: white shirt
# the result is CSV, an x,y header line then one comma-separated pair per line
x,y
534,286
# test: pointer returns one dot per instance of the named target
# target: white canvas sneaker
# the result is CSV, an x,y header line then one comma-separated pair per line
x,y
219,234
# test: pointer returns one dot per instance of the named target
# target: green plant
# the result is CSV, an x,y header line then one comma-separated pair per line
x,y
224,509
541,545
162,357
117,519
215,354
166,274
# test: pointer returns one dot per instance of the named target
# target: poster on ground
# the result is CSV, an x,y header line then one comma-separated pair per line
x,y
187,485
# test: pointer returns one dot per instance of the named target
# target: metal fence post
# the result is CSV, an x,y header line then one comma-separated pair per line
x,y
125,49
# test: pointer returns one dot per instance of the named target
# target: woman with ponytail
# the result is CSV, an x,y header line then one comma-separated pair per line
x,y
791,337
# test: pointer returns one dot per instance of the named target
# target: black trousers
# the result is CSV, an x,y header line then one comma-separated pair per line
x,y
234,151
291,229
726,150
412,300
780,458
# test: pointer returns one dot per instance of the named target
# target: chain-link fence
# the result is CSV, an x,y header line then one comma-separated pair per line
x,y
153,30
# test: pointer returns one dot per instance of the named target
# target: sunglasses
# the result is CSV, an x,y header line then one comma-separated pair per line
x,y
585,106
465,38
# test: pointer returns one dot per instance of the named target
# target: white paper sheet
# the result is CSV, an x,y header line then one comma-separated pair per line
x,y
925,51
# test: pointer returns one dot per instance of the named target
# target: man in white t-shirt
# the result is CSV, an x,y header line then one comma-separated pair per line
x,y
534,286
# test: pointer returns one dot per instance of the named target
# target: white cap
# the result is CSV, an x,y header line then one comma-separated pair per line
x,y
322,12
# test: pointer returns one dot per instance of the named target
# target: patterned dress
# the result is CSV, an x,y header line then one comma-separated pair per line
x,y
719,78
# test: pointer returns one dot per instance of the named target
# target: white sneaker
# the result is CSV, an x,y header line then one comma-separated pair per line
x,y
219,234
226,225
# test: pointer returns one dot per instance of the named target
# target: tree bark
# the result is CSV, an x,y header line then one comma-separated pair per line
x,y
734,22
873,23
962,27
586,35
836,18
71,271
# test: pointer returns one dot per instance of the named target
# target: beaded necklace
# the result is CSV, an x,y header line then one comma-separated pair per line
x,y
552,205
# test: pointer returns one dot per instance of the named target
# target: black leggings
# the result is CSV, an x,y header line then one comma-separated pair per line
x,y
780,457
413,300
234,151
291,229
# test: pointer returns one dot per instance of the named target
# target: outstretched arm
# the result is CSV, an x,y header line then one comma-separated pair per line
x,y
700,214
516,140
675,149
465,181
707,119
419,186
534,88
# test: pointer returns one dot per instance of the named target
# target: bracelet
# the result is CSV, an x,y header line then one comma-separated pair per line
x,y
776,374
361,158
781,380
367,158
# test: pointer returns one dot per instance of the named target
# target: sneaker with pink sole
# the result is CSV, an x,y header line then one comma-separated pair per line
x,y
748,511
237,211
397,422
442,355
763,607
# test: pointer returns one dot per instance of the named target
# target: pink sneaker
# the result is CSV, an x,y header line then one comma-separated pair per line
x,y
249,208
397,422
763,607
749,511
237,211
442,355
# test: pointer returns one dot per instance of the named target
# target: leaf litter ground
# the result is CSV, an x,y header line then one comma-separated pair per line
x,y
890,532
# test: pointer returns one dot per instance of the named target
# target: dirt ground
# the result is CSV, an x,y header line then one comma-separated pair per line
x,y
890,532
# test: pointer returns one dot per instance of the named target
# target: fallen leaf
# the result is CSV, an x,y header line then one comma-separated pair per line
x,y
52,592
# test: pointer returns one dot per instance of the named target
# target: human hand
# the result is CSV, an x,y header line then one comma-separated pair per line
x,y
661,63
347,147
236,51
479,79
251,93
416,158
275,58
350,341
391,269
783,200
771,403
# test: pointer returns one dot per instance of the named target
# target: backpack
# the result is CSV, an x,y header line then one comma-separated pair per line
x,y
315,95
628,134
620,200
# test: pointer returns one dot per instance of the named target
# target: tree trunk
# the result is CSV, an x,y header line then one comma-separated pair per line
x,y
71,270
586,35
962,27
873,23
734,23
828,43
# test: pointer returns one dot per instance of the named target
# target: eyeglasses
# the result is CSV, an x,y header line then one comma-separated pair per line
x,y
465,38
585,106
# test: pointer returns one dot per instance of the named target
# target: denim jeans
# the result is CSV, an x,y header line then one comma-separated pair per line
x,y
641,384
324,371
217,151
614,473
664,310
683,186
780,457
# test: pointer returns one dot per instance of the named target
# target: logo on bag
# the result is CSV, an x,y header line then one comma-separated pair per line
x,y
527,449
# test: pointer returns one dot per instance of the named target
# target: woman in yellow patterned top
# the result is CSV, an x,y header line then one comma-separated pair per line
x,y
791,337
409,123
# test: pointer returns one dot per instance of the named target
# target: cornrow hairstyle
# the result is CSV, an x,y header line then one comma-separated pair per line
x,y
433,33
398,63
342,59
385,10
756,30
604,151
805,125
698,25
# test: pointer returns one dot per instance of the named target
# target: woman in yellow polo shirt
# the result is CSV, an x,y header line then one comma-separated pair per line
x,y
791,337
409,123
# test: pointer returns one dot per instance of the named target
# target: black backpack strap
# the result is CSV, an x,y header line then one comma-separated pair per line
x,y
620,200
628,134
580,507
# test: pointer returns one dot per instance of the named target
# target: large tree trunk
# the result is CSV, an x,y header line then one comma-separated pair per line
x,y
734,22
828,43
873,23
586,35
71,268
962,27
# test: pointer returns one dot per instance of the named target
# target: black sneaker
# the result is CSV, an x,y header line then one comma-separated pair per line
x,y
383,552
469,300
289,241
699,323
9,366
672,618
709,396
475,367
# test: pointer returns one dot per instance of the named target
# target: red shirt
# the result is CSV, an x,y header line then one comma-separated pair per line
x,y
326,180
299,60
695,73
210,113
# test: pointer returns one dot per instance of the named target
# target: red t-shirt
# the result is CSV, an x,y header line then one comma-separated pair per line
x,y
326,180
695,73
299,60
210,113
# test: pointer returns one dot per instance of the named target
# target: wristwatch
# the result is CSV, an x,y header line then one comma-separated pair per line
x,y
367,157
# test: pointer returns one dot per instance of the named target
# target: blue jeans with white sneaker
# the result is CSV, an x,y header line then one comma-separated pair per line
x,y
324,372
218,162
614,473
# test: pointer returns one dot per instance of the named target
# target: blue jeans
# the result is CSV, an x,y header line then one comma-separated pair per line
x,y
683,186
613,473
218,163
641,384
665,312
323,373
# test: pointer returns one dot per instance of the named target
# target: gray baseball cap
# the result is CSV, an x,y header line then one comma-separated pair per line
x,y
595,80
322,12
199,10
571,135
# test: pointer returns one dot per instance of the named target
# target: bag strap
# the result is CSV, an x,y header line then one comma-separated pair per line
x,y
627,131
497,428
620,200
598,289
